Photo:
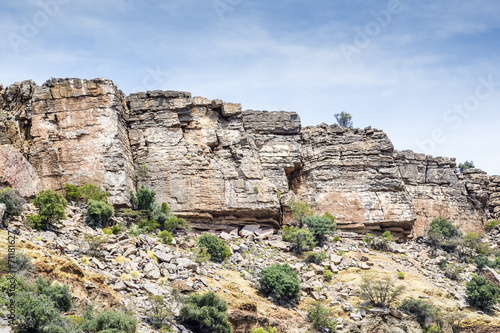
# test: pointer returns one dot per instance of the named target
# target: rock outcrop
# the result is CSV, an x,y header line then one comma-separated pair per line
x,y
17,172
220,166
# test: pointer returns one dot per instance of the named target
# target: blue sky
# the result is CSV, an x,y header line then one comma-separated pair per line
x,y
426,73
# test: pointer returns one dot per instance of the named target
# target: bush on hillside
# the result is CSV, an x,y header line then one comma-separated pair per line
x,y
12,200
174,223
59,294
320,226
320,317
206,313
99,213
315,257
482,293
34,312
85,193
380,293
51,209
489,226
110,322
379,243
144,199
302,239
300,210
281,283
216,247
425,313
444,227
165,237
262,330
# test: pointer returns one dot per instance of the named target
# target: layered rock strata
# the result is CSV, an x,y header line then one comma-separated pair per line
x,y
220,166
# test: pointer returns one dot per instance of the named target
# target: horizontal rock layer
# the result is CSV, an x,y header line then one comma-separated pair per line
x,y
218,165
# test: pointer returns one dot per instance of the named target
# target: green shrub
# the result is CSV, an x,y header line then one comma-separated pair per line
x,y
160,312
96,245
175,223
206,313
19,263
51,209
110,322
401,275
281,283
92,192
344,119
216,247
165,237
12,200
116,229
489,226
380,293
379,243
148,226
144,199
321,317
466,165
444,227
320,227
453,272
34,313
336,239
481,262
134,230
107,231
302,239
482,293
327,275
73,193
315,257
98,213
300,210
57,293
426,314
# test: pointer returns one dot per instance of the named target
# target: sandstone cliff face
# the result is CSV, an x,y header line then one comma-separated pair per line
x,y
71,131
214,163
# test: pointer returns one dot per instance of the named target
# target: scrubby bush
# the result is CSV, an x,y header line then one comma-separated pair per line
x,y
281,283
444,227
110,322
18,263
482,292
144,199
98,213
160,311
216,247
327,275
148,226
51,209
206,313
59,294
489,226
453,272
379,243
315,257
72,192
336,239
380,293
12,200
92,192
401,275
425,313
165,237
482,262
344,119
320,317
300,210
34,312
96,245
175,223
302,239
320,227
466,165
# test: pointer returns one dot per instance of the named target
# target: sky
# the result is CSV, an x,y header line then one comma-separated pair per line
x,y
425,72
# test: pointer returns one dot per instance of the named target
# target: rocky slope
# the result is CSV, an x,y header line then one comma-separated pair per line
x,y
222,167
129,269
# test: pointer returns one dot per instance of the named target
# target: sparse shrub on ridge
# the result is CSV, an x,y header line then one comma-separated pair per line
x,y
425,313
281,283
380,293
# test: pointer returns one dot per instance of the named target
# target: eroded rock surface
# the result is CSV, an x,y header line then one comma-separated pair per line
x,y
218,165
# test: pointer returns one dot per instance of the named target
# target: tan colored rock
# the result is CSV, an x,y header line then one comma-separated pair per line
x,y
17,172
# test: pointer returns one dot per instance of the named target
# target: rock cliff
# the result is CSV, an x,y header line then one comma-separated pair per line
x,y
220,166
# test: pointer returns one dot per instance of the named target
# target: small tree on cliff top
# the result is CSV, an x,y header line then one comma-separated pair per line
x,y
344,119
